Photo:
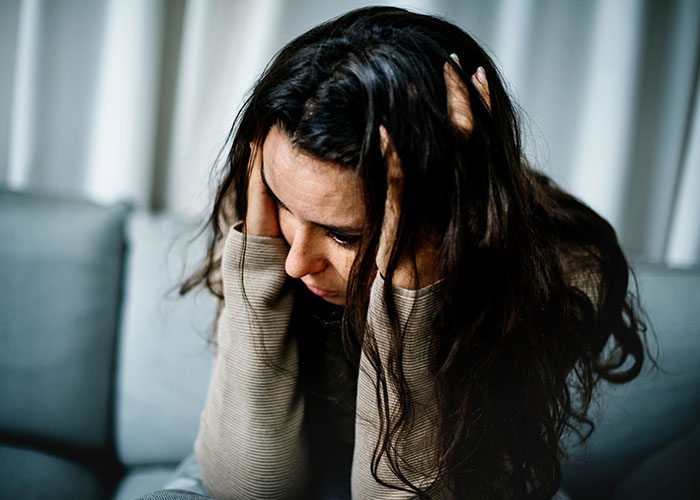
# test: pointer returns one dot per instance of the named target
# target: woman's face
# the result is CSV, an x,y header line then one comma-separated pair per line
x,y
321,215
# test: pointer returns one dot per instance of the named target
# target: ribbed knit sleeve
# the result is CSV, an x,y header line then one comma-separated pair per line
x,y
250,438
416,310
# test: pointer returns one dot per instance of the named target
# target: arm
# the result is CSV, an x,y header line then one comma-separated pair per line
x,y
416,309
415,288
249,443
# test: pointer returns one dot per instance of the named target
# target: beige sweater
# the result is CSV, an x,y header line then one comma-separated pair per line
x,y
250,443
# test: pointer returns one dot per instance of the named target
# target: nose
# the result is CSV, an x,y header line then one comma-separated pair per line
x,y
305,255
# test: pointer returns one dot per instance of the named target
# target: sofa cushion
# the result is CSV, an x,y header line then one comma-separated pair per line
x,y
29,475
164,359
636,420
139,481
61,265
670,473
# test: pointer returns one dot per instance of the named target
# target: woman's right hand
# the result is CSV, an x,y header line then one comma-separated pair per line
x,y
261,215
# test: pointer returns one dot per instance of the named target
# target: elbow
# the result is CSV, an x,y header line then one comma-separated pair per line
x,y
272,475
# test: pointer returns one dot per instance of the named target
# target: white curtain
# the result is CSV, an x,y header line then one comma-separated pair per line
x,y
132,99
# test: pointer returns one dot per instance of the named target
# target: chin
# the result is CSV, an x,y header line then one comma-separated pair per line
x,y
337,300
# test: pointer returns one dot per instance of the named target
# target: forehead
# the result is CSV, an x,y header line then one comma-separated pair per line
x,y
312,189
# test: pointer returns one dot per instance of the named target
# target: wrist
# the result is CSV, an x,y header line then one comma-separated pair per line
x,y
416,271
261,226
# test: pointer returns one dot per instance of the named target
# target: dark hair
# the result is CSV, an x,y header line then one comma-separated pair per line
x,y
535,307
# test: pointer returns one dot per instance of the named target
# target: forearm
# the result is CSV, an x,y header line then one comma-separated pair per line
x,y
418,457
249,443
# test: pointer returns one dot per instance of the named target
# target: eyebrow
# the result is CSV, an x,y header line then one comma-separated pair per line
x,y
328,227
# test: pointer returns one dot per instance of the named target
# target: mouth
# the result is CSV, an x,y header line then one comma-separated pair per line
x,y
321,292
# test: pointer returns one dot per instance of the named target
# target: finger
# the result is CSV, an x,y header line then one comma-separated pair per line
x,y
458,108
384,139
255,182
261,212
393,163
394,181
481,85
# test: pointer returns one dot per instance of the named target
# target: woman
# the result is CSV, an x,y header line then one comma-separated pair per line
x,y
385,198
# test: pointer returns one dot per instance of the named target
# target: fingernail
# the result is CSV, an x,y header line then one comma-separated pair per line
x,y
455,58
481,75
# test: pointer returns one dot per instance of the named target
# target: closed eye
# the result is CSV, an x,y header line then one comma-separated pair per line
x,y
341,239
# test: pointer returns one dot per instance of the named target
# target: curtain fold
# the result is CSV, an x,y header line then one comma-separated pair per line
x,y
121,140
224,46
126,99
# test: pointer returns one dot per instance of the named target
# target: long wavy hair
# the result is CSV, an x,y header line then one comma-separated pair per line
x,y
535,305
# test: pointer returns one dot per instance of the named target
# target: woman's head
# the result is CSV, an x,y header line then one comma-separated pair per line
x,y
533,288
325,97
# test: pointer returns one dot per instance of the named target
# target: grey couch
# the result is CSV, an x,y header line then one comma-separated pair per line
x,y
104,368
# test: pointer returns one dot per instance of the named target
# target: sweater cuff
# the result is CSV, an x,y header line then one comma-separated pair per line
x,y
257,252
416,311
426,296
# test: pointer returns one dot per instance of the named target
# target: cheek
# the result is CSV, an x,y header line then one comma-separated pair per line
x,y
342,259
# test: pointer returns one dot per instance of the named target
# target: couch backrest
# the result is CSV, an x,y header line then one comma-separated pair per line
x,y
636,420
163,357
61,272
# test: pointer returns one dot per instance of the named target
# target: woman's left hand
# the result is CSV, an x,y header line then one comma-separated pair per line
x,y
426,251
421,269
458,108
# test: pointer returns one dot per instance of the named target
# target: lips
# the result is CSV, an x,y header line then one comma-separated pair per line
x,y
321,292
